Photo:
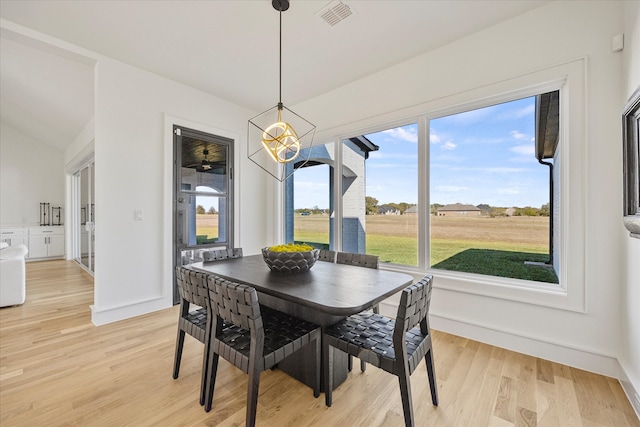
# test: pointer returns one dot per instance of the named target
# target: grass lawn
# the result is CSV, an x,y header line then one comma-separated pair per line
x,y
492,246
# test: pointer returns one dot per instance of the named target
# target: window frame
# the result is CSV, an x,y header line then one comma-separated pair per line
x,y
570,79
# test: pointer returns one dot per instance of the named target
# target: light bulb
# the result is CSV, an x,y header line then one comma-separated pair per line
x,y
281,142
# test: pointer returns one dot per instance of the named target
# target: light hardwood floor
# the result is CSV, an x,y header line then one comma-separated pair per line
x,y
57,368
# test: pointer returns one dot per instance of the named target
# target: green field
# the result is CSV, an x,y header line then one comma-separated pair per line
x,y
483,245
493,246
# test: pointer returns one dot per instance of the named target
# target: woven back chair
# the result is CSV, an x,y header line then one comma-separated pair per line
x,y
327,255
192,287
253,338
394,346
220,254
360,260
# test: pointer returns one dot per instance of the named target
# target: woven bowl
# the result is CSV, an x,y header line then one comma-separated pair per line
x,y
290,262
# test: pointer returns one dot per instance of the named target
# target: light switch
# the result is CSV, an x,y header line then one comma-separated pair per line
x,y
137,215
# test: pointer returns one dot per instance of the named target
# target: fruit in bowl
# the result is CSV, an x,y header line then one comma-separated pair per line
x,y
290,258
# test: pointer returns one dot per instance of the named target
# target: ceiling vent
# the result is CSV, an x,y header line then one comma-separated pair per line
x,y
335,12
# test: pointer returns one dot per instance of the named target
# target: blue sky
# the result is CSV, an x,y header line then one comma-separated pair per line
x,y
480,156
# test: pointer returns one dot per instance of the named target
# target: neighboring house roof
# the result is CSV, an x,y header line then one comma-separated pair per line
x,y
384,209
458,207
412,209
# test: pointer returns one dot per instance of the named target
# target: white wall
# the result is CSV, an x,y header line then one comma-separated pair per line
x,y
630,304
133,155
31,172
555,33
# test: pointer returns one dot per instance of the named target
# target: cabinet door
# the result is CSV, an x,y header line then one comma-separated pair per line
x,y
56,245
37,246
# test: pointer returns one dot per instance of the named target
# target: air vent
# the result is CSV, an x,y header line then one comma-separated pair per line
x,y
335,12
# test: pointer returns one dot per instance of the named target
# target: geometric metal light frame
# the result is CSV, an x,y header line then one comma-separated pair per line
x,y
279,140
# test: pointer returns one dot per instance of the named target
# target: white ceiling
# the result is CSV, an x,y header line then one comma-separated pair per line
x,y
226,48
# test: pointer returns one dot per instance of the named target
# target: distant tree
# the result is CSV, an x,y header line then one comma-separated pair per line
x,y
527,211
371,205
494,212
544,210
199,210
402,207
212,210
486,209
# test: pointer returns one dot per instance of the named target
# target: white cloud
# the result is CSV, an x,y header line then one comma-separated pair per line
x,y
524,150
517,114
517,135
449,145
451,188
508,191
403,133
502,169
435,139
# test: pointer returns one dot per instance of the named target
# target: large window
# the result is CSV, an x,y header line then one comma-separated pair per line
x,y
380,194
486,186
489,194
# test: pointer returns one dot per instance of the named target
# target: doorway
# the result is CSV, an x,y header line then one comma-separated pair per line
x,y
202,195
84,217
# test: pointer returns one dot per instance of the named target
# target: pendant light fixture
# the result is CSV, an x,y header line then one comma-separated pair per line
x,y
279,140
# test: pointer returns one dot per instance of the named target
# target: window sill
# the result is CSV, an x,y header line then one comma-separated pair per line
x,y
522,291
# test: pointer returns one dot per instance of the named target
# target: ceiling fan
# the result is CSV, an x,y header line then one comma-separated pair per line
x,y
203,166
206,164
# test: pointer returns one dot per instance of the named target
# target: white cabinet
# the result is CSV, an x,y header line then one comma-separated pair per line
x,y
14,236
46,242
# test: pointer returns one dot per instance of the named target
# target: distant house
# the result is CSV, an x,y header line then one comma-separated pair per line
x,y
413,210
458,209
388,210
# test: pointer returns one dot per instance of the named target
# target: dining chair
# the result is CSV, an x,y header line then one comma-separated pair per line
x,y
327,255
253,338
360,260
192,287
396,346
209,255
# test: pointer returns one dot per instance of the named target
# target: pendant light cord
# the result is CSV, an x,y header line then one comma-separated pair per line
x,y
280,71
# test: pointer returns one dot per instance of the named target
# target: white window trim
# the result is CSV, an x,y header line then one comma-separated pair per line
x,y
570,77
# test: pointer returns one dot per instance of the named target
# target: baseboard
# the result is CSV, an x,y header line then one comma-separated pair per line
x,y
630,391
103,316
556,352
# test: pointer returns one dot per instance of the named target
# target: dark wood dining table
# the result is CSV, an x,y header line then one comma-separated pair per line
x,y
324,295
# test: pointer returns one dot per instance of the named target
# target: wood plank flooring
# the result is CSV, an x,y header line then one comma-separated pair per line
x,y
57,368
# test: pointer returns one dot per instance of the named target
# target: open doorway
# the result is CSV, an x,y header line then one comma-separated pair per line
x,y
83,217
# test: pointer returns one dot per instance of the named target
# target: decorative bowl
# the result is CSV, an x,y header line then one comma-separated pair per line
x,y
290,262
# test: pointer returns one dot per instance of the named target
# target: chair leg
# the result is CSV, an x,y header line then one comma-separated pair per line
x,y
405,394
205,374
178,354
252,397
212,370
432,377
350,363
318,351
363,365
327,357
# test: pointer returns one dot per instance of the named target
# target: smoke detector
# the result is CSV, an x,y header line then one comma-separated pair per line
x,y
335,12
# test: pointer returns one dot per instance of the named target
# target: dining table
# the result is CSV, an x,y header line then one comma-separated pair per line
x,y
324,295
